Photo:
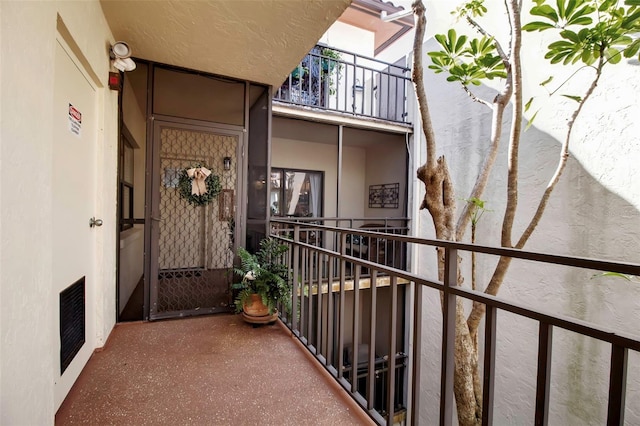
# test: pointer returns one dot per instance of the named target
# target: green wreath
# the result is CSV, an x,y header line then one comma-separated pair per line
x,y
213,187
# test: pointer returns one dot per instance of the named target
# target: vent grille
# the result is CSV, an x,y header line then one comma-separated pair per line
x,y
72,322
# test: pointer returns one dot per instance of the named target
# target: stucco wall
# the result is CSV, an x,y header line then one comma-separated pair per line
x,y
386,164
593,212
288,153
28,338
353,192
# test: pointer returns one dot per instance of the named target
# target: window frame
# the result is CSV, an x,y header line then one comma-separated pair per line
x,y
282,200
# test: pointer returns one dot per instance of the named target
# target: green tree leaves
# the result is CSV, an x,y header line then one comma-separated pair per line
x,y
589,30
467,61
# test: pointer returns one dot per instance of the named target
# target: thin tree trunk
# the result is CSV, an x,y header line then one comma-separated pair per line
x,y
516,124
440,201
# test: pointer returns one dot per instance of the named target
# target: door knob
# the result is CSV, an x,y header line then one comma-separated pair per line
x,y
94,222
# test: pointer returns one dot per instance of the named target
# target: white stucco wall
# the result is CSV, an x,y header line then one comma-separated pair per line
x,y
28,338
593,212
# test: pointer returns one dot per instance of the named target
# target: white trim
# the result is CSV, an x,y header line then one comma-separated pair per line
x,y
349,121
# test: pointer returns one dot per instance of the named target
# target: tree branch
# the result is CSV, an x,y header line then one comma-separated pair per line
x,y
516,126
562,162
499,104
418,83
474,98
478,27
497,278
477,311
487,166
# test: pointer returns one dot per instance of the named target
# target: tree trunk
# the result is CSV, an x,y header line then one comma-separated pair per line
x,y
466,381
440,201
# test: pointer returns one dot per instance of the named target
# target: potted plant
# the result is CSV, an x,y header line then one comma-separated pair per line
x,y
265,282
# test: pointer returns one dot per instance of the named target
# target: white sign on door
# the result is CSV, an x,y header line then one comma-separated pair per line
x,y
75,120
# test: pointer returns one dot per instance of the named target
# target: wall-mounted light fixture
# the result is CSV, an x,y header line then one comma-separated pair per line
x,y
227,163
120,55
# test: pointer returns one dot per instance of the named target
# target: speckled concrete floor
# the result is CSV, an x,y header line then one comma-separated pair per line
x,y
213,370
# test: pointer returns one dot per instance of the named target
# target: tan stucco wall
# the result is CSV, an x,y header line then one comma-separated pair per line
x,y
386,165
288,153
353,190
29,340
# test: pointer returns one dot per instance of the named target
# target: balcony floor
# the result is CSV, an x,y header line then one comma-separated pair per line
x,y
205,370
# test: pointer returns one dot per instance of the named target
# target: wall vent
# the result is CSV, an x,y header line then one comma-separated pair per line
x,y
72,322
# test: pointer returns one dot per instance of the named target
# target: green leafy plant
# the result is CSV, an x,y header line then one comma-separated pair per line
x,y
467,61
265,274
318,66
589,30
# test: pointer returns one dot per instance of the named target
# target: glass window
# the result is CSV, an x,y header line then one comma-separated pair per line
x,y
125,205
296,193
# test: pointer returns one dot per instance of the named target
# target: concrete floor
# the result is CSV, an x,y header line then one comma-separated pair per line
x,y
210,370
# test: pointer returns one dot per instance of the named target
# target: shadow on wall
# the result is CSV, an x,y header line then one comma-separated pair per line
x,y
583,218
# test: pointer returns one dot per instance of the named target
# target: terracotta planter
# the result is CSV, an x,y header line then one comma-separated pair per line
x,y
255,312
254,307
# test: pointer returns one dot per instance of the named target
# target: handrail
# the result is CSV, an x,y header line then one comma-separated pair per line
x,y
321,320
368,58
577,261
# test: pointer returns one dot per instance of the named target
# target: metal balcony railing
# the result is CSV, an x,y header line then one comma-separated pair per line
x,y
328,307
340,81
366,245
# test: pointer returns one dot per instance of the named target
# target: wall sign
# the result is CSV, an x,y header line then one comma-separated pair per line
x,y
75,120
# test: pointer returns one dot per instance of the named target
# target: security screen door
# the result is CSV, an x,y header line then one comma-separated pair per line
x,y
192,244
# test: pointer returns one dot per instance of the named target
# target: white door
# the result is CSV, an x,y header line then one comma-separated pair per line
x,y
74,195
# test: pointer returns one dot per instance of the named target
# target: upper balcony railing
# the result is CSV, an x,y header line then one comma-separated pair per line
x,y
381,367
340,81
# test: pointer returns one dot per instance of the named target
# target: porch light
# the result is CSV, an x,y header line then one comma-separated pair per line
x,y
121,57
227,163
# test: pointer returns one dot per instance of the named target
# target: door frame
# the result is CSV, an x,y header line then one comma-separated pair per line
x,y
152,191
93,281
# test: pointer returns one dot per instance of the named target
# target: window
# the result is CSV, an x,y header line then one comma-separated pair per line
x,y
296,193
125,205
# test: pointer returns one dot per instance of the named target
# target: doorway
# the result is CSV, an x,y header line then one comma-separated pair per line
x,y
192,239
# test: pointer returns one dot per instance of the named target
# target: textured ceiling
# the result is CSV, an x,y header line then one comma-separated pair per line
x,y
256,40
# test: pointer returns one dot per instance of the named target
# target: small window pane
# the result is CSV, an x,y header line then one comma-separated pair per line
x,y
127,166
296,193
276,199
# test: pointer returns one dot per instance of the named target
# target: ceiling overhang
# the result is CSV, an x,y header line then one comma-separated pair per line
x,y
259,41
366,14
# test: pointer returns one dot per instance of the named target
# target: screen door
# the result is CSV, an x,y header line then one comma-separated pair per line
x,y
192,243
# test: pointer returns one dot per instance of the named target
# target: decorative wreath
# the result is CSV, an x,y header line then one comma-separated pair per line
x,y
191,179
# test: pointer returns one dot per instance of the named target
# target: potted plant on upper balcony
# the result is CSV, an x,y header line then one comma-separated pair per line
x,y
314,79
265,282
